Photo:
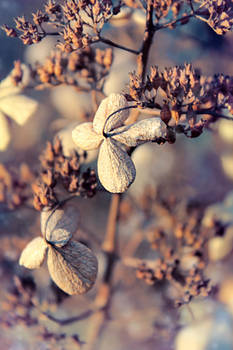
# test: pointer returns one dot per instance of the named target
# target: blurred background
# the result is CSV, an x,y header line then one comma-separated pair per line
x,y
191,170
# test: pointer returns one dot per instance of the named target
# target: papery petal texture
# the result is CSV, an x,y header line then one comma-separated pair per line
x,y
107,106
4,132
140,132
116,170
34,253
73,268
58,225
85,137
18,107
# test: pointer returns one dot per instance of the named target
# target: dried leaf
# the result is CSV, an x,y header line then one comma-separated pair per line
x,y
115,168
85,137
73,268
57,226
34,253
140,132
109,105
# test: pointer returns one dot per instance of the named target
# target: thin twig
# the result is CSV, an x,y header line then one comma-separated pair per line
x,y
103,298
111,43
147,41
214,114
66,321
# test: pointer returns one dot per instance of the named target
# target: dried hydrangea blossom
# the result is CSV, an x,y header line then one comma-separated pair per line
x,y
72,266
116,170
14,105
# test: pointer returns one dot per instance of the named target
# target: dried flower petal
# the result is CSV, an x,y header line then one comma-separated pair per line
x,y
73,268
18,107
4,132
85,137
140,132
57,226
115,168
34,253
107,106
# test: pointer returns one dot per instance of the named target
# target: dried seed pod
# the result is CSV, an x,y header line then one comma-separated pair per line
x,y
58,225
85,137
140,132
115,168
73,267
34,253
110,104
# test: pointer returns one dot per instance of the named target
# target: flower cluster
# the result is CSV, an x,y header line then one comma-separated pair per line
x,y
72,266
60,169
116,170
218,14
83,70
186,94
15,185
71,21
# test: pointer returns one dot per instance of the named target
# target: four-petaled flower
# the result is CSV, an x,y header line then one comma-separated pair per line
x,y
116,170
72,266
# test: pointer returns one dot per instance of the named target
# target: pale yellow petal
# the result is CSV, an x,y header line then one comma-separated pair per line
x,y
34,253
116,170
110,104
143,131
18,107
85,137
4,132
73,268
58,225
7,86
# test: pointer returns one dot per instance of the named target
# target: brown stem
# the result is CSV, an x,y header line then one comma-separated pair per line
x,y
147,41
111,43
103,298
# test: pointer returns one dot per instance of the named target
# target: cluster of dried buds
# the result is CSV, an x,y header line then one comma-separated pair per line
x,y
218,14
15,185
72,21
187,96
72,266
58,169
82,69
116,170
18,304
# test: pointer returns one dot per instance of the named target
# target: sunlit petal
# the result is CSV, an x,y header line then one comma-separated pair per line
x,y
4,132
34,253
116,170
18,107
73,268
110,104
85,137
143,131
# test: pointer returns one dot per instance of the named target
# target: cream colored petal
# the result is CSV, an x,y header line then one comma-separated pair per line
x,y
7,87
109,105
34,253
116,170
58,225
18,107
143,131
4,132
85,137
73,268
